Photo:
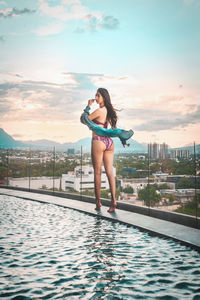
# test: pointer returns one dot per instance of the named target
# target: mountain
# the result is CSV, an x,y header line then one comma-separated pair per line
x,y
7,141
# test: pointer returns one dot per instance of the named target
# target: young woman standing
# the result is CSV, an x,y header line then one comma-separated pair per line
x,y
102,148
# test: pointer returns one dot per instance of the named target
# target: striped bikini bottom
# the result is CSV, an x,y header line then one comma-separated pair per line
x,y
105,139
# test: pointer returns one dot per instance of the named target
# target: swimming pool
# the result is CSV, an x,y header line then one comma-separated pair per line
x,y
52,252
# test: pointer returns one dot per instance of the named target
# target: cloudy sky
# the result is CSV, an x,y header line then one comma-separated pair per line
x,y
54,54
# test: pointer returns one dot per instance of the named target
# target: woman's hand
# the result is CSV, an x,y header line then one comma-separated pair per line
x,y
90,101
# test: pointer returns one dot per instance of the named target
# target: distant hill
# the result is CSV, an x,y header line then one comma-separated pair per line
x,y
7,141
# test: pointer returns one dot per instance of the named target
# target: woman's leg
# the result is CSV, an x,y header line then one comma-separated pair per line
x,y
97,155
108,156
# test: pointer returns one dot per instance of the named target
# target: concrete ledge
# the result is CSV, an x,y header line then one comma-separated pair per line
x,y
178,218
154,226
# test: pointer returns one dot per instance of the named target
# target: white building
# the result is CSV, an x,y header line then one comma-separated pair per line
x,y
73,179
136,183
183,195
179,153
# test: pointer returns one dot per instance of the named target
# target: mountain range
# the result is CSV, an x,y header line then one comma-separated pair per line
x,y
7,141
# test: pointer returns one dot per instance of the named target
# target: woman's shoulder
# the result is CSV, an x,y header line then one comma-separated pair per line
x,y
103,109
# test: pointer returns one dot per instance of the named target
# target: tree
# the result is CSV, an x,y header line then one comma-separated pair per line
x,y
171,198
104,194
163,186
128,190
150,195
185,183
191,207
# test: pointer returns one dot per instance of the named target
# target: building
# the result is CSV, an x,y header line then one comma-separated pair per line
x,y
163,151
142,157
70,151
179,153
176,178
182,195
150,150
136,183
156,151
72,180
126,171
153,150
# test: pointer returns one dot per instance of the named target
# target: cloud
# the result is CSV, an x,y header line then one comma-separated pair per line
x,y
50,29
79,30
65,11
167,120
73,10
16,75
17,135
107,22
25,100
14,12
62,100
4,108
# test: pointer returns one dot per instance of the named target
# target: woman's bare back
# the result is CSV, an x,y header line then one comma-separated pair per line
x,y
101,118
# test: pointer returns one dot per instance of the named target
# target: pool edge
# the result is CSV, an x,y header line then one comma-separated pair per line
x,y
112,218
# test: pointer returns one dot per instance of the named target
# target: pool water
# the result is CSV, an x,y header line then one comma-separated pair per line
x,y
52,252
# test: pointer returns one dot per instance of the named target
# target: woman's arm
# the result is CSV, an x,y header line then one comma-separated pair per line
x,y
94,115
91,116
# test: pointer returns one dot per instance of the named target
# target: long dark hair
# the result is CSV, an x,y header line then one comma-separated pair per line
x,y
111,111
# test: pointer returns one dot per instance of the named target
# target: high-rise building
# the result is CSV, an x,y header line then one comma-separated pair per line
x,y
163,151
150,150
156,151
173,154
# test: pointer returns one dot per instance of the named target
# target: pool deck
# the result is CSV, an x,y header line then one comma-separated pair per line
x,y
185,235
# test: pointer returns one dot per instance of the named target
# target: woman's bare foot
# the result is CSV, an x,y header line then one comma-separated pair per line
x,y
98,205
112,207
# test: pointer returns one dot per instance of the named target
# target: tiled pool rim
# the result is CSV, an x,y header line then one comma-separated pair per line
x,y
178,227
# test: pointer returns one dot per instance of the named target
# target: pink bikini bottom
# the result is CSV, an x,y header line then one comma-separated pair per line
x,y
105,139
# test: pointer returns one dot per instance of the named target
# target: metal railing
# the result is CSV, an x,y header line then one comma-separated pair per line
x,y
13,170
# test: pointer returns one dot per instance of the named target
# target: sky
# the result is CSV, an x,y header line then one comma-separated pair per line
x,y
55,54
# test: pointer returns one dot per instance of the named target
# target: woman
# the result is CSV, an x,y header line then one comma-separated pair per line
x,y
102,148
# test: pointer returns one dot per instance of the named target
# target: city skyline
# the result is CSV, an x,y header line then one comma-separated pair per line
x,y
55,54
